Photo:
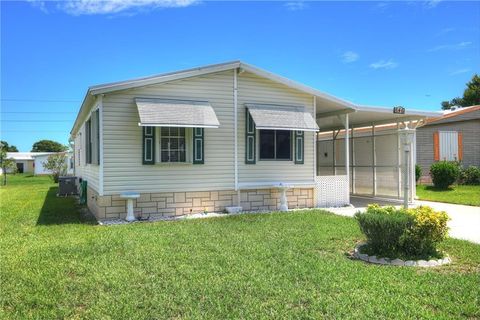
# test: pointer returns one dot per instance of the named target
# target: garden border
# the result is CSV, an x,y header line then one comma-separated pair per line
x,y
398,262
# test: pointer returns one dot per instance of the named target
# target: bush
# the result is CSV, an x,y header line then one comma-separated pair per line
x,y
470,175
444,173
403,233
418,172
57,163
384,228
429,228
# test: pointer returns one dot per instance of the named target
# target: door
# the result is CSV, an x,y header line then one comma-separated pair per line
x,y
20,167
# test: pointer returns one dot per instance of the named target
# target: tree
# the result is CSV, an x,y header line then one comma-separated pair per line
x,y
471,95
5,163
57,163
48,146
7,147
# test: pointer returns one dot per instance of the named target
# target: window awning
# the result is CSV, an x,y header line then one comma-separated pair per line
x,y
275,117
176,113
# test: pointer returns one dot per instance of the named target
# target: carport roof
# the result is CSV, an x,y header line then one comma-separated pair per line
x,y
364,116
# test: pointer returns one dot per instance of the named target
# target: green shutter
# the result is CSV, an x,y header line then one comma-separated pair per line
x,y
88,141
299,147
198,146
97,117
249,139
148,151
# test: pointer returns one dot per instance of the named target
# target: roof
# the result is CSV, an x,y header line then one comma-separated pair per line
x,y
95,90
370,115
461,114
331,106
25,155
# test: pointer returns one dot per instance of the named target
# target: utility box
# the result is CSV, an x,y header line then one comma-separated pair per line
x,y
67,186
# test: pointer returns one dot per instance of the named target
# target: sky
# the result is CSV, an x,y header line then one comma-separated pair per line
x,y
413,54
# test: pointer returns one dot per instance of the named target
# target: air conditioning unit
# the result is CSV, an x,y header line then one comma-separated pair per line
x,y
67,186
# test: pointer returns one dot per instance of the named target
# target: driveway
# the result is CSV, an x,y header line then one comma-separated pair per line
x,y
464,223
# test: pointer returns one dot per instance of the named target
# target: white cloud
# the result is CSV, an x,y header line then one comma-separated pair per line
x,y
295,5
384,64
350,56
456,46
444,31
459,71
432,3
93,7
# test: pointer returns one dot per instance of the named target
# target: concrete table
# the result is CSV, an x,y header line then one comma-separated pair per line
x,y
130,196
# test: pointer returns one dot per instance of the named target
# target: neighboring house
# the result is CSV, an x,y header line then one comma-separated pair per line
x,y
40,159
454,136
32,162
23,161
212,137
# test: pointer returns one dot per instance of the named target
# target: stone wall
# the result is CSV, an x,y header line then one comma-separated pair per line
x,y
180,203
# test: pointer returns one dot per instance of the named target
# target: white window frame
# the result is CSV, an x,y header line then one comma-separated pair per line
x,y
188,147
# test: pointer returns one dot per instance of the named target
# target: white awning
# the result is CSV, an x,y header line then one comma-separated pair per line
x,y
176,113
275,117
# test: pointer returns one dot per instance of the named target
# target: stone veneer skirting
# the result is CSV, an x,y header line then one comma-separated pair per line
x,y
180,203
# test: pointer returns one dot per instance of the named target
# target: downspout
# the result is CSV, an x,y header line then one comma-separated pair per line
x,y
235,132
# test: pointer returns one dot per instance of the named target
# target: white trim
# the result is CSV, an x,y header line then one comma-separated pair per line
x,y
175,125
315,140
274,184
286,129
235,129
100,148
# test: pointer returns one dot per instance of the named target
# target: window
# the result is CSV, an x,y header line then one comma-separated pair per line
x,y
275,145
172,144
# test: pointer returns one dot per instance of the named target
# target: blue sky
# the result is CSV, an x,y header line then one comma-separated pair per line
x,y
414,54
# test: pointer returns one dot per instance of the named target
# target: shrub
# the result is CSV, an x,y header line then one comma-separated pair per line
x,y
470,175
384,228
418,172
429,228
57,164
444,173
403,233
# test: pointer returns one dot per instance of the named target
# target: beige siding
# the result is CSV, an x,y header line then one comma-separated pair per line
x,y
88,172
251,89
123,168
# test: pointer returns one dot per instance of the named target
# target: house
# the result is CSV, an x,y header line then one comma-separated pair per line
x,y
41,158
454,136
32,162
23,161
218,136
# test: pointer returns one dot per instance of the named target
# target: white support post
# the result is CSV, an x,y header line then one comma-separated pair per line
x,y
353,161
374,163
399,156
347,149
235,132
334,156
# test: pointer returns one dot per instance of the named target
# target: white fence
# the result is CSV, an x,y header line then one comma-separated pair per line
x,y
332,191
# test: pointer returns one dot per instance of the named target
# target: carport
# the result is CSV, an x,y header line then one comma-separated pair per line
x,y
366,151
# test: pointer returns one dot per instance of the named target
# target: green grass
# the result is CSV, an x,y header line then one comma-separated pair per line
x,y
56,264
459,194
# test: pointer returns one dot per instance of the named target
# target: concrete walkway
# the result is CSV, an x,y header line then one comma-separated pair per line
x,y
464,223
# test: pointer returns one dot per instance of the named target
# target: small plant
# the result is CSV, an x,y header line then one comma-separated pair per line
x,y
418,172
470,175
205,211
57,164
444,173
403,233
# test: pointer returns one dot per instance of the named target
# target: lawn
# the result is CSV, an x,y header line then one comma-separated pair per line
x,y
57,264
460,194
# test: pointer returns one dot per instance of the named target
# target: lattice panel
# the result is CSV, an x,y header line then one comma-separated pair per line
x,y
332,191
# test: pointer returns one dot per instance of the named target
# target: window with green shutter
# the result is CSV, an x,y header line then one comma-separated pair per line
x,y
148,152
198,146
88,141
299,147
249,139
